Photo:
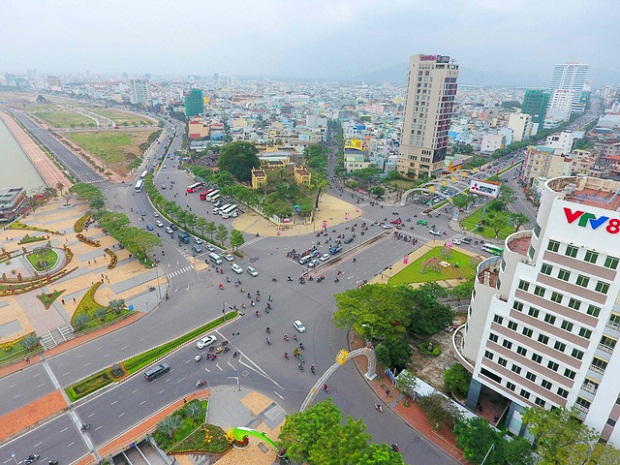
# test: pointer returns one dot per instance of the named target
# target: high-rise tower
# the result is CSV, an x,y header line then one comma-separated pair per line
x,y
570,76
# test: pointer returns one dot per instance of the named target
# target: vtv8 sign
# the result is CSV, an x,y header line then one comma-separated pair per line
x,y
612,225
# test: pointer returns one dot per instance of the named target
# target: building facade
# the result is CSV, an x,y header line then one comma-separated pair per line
x,y
139,89
544,318
194,103
542,162
521,125
431,90
571,76
535,103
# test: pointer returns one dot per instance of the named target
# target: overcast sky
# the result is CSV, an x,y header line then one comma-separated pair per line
x,y
303,38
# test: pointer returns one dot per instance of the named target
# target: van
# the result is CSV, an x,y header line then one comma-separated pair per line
x,y
156,371
215,258
422,222
304,260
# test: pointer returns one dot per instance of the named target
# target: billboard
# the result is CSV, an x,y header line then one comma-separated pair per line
x,y
488,189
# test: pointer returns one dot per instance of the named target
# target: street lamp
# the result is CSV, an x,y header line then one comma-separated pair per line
x,y
365,325
157,274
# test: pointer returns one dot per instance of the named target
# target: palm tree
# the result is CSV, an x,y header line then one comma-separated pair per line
x,y
170,425
60,187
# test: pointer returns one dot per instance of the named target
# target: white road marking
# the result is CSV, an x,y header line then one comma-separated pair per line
x,y
70,444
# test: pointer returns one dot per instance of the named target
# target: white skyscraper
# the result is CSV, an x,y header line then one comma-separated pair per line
x,y
571,76
139,91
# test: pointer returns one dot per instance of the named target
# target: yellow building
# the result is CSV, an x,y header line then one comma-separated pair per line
x,y
302,175
259,178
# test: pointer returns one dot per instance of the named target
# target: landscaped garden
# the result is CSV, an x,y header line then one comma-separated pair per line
x,y
473,223
430,267
42,258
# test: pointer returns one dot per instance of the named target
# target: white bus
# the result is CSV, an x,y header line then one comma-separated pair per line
x,y
143,175
194,187
492,249
227,211
139,185
222,208
213,194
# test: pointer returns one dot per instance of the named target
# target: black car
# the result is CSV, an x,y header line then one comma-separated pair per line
x,y
466,240
348,240
174,227
156,371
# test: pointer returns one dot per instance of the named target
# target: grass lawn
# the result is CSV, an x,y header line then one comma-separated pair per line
x,y
64,119
412,273
120,117
43,260
471,222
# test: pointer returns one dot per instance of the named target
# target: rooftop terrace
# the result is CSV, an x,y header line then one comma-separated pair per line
x,y
595,192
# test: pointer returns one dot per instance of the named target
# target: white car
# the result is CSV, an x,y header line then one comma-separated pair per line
x,y
236,268
387,226
159,224
299,326
324,257
456,241
252,271
229,257
434,232
313,263
197,240
156,215
206,341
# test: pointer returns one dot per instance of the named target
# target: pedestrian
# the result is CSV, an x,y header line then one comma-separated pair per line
x,y
184,400
74,300
95,260
27,359
387,392
89,262
63,301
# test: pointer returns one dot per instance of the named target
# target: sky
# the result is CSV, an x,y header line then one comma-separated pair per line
x,y
310,39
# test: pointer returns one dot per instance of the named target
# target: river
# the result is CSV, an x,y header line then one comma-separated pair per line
x,y
16,169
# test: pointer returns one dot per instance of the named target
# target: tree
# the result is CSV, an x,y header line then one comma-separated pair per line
x,y
394,353
377,191
60,187
238,158
236,239
116,305
519,219
170,425
201,224
457,379
138,241
80,321
497,221
427,315
30,342
101,313
463,290
438,409
462,200
221,234
560,437
406,382
210,228
192,220
380,454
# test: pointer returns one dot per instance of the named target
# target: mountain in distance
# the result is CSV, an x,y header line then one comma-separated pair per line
x,y
397,74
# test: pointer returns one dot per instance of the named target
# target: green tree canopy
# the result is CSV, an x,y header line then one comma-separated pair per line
x,y
457,379
236,239
238,158
395,353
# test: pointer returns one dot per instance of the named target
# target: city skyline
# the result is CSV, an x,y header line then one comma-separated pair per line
x,y
320,39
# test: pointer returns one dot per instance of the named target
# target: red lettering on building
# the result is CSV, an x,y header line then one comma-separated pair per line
x,y
570,215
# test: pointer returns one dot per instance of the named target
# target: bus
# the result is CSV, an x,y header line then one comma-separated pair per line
x,y
138,187
215,198
222,208
203,195
143,175
212,194
195,187
227,211
492,249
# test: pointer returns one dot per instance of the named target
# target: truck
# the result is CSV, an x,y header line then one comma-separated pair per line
x,y
184,237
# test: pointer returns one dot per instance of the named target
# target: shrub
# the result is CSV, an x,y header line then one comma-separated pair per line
x,y
456,379
431,348
78,227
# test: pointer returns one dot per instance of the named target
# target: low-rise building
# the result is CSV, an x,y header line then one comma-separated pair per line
x,y
541,161
12,201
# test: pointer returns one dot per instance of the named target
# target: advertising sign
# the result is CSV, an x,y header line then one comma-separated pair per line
x,y
488,189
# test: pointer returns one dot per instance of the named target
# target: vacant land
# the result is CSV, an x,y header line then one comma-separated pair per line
x,y
459,268
117,148
64,119
121,118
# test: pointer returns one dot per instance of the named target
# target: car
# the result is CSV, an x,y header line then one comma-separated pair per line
x,y
156,214
466,240
252,271
299,326
396,221
149,227
236,268
334,249
163,186
456,241
234,214
348,240
174,227
229,257
169,230
324,257
206,341
315,254
313,263
387,226
197,240
196,248
165,166
210,248
156,371
159,224
142,213
434,232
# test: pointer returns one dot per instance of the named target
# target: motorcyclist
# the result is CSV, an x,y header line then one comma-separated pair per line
x,y
268,329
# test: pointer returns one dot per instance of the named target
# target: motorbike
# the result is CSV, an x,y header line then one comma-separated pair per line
x,y
257,313
85,426
326,388
31,458
286,355
268,341
235,353
274,279
288,278
200,383
221,286
198,358
395,448
337,280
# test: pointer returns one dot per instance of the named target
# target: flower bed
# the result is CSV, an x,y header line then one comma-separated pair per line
x,y
88,241
113,258
48,299
31,283
20,225
78,227
27,239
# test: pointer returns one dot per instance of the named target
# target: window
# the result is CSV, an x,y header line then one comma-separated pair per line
x,y
543,339
611,262
539,291
510,386
525,394
559,346
577,354
515,368
574,303
552,365
527,332
533,312
583,402
549,319
567,325
488,354
582,281
599,364
571,251
553,246
493,337
591,257
531,376
563,274
570,374
498,319
562,393
507,344
611,422
524,285
522,351
502,361
539,402
608,342
537,230
557,297
546,384
512,325
593,310
601,287
585,333
518,306
531,251
546,269
537,358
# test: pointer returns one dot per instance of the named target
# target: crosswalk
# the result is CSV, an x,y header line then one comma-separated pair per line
x,y
180,271
250,242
